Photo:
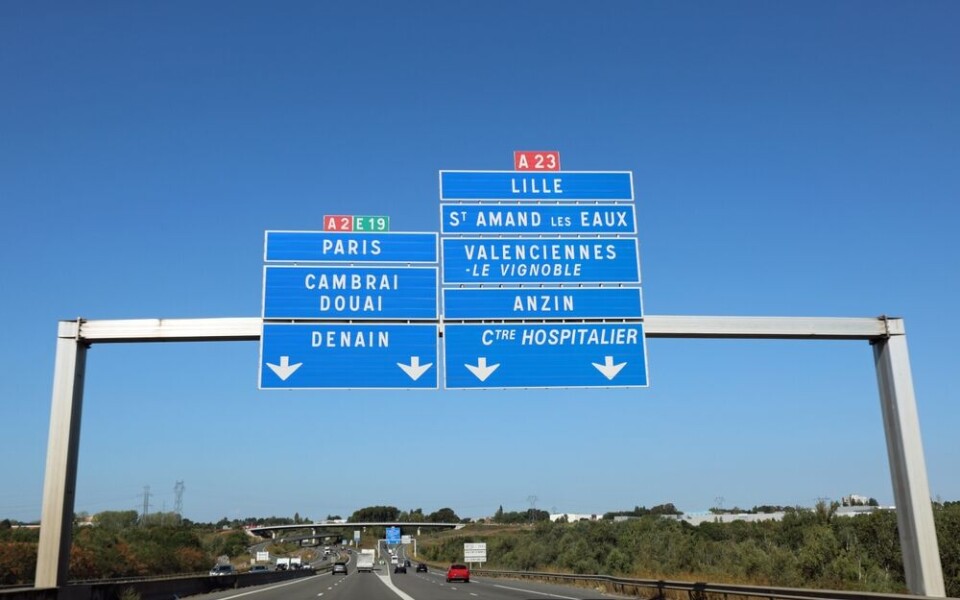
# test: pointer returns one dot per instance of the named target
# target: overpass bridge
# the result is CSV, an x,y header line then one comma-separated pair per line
x,y
318,529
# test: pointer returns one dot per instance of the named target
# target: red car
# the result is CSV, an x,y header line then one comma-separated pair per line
x,y
458,572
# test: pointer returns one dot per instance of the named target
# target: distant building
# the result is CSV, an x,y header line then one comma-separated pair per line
x,y
697,518
857,500
574,517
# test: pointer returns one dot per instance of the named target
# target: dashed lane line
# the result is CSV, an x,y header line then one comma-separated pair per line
x,y
506,587
265,589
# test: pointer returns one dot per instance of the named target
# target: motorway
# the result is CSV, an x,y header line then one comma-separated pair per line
x,y
383,584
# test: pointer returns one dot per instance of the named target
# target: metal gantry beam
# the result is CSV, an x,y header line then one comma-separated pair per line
x,y
921,558
918,538
63,442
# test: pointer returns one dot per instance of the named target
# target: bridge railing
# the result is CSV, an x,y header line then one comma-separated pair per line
x,y
684,590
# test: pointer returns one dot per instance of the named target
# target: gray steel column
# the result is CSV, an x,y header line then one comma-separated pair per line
x,y
60,478
911,490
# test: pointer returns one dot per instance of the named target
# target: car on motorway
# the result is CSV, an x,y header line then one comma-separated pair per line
x,y
421,568
339,568
406,563
458,572
259,569
400,568
219,570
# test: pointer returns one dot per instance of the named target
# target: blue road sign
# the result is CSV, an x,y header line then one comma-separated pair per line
x,y
348,356
562,219
526,260
544,355
393,535
293,292
536,303
540,186
336,247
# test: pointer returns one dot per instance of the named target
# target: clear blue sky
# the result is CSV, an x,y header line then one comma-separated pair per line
x,y
790,159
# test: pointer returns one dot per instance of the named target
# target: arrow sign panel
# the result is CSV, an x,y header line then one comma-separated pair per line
x,y
284,369
481,370
544,355
414,370
348,356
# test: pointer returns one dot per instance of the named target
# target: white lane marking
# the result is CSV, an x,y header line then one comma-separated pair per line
x,y
506,587
472,594
272,587
387,582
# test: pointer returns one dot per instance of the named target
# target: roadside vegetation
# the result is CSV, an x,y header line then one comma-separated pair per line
x,y
808,548
115,544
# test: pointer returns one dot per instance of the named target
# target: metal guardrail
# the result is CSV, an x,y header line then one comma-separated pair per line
x,y
685,590
154,588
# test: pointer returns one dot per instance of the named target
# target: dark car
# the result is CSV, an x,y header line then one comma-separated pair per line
x,y
406,563
219,570
400,569
458,572
259,569
421,568
340,567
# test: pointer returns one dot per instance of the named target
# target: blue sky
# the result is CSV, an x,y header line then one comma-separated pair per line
x,y
789,159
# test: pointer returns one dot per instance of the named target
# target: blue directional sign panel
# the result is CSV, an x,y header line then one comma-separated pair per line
x,y
540,186
560,219
328,247
393,535
526,260
342,292
544,355
536,303
348,356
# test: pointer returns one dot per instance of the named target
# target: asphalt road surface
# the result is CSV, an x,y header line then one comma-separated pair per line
x,y
383,584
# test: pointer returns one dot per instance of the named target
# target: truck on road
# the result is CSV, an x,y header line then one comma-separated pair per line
x,y
365,560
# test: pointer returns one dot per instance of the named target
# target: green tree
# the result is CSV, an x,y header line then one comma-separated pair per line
x,y
444,515
116,520
374,514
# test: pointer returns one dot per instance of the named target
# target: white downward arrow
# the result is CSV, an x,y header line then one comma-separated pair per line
x,y
609,369
481,370
414,369
284,369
